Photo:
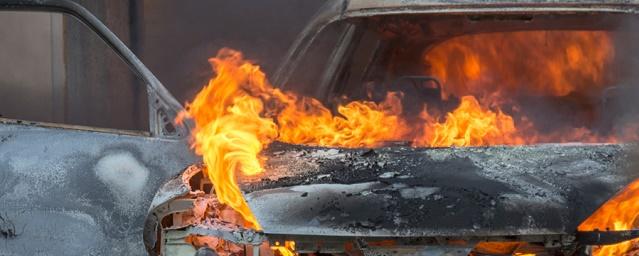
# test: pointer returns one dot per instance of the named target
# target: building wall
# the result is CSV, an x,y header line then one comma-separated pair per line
x,y
101,89
31,81
54,69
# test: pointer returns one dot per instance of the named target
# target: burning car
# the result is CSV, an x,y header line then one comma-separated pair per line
x,y
418,127
391,127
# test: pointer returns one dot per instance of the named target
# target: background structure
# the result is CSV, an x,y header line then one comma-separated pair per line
x,y
53,70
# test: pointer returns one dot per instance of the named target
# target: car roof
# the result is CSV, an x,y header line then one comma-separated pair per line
x,y
357,5
377,7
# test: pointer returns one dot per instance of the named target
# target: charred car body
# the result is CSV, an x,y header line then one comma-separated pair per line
x,y
431,201
116,193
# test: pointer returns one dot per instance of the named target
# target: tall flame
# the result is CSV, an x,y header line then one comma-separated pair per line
x,y
232,125
229,132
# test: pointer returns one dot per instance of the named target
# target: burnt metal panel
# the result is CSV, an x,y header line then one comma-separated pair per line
x,y
72,192
401,191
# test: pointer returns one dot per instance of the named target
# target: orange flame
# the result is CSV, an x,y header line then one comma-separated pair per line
x,y
471,125
239,113
232,127
499,67
309,122
531,62
229,132
503,248
619,213
287,249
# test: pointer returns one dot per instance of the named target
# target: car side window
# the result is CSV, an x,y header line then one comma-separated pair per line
x,y
54,69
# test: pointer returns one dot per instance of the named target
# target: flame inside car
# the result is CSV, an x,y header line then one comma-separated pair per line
x,y
239,112
500,68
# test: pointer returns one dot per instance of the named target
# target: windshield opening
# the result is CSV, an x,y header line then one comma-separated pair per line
x,y
490,80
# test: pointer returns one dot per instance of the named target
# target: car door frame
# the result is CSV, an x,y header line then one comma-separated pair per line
x,y
163,107
94,199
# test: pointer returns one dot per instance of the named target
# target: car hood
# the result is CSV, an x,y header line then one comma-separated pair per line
x,y
400,191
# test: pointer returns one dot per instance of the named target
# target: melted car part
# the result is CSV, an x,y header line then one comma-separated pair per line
x,y
183,217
